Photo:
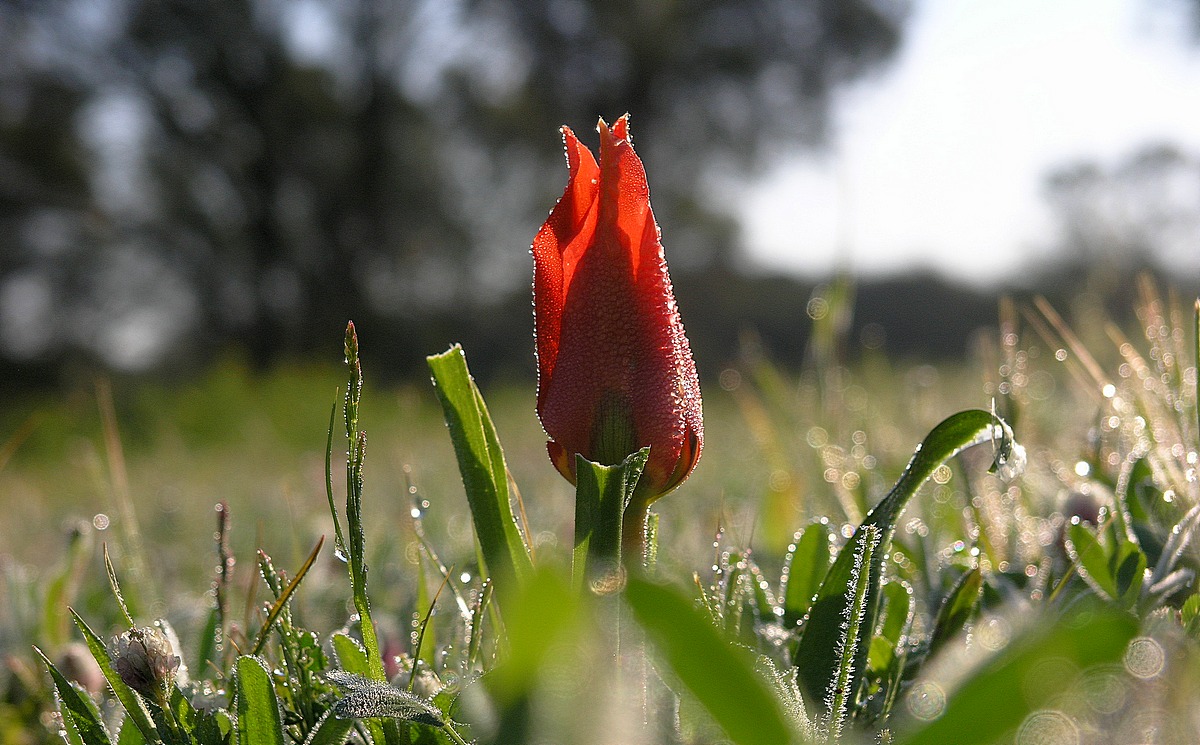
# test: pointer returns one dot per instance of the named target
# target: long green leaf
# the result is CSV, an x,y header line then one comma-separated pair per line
x,y
721,676
135,709
957,608
993,701
260,721
854,635
816,658
78,712
130,734
481,465
807,565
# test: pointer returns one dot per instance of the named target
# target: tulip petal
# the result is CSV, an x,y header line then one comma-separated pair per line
x,y
612,353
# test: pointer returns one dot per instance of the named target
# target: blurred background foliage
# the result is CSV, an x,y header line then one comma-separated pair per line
x,y
182,179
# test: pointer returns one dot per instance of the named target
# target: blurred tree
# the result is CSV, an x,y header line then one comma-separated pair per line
x,y
258,171
1142,211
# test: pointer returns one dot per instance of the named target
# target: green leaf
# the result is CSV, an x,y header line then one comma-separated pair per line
x,y
350,654
721,677
601,495
544,610
806,565
366,699
898,614
481,465
353,659
130,734
330,730
79,712
816,656
258,716
1128,566
995,699
855,634
1189,616
957,608
135,709
1091,560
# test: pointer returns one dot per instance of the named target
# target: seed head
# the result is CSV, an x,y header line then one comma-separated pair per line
x,y
144,659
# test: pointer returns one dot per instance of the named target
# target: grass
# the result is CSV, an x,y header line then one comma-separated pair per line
x,y
987,590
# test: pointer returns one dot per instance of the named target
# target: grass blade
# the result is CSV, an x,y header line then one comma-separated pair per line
x,y
135,709
841,687
957,608
282,600
481,465
816,658
721,676
260,721
78,712
806,566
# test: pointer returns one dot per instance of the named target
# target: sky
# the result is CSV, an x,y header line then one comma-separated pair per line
x,y
938,162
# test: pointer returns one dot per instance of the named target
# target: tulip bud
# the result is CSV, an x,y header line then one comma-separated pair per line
x,y
615,370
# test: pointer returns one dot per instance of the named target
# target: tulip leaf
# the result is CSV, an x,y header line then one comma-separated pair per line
x,y
720,675
601,496
817,658
260,721
481,465
995,699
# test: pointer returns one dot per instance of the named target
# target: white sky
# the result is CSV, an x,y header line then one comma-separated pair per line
x,y
939,162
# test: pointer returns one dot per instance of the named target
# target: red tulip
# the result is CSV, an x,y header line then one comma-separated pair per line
x,y
615,371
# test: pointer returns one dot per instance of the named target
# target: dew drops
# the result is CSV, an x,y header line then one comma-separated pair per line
x,y
926,701
100,521
1105,691
1048,728
993,633
1144,657
465,577
1083,468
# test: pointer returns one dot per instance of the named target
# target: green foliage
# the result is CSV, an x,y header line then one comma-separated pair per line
x,y
601,496
980,616
258,716
80,715
721,676
995,699
481,464
816,655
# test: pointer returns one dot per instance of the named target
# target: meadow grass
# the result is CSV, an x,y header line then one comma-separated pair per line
x,y
1107,417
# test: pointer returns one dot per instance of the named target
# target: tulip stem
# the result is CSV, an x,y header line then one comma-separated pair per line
x,y
633,536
